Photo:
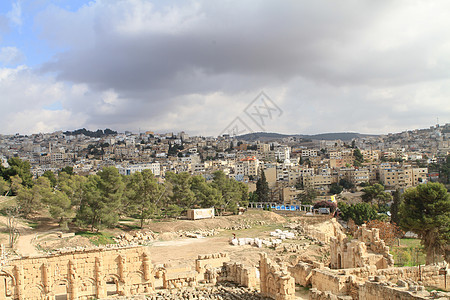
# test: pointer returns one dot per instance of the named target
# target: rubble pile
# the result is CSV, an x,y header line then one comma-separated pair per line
x,y
199,233
223,292
276,239
282,235
257,242
138,238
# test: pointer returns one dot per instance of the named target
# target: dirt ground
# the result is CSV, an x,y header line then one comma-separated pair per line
x,y
173,249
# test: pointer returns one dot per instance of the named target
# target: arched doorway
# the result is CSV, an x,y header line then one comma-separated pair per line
x,y
60,290
112,285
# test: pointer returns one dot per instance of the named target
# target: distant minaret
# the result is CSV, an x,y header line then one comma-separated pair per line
x,y
49,147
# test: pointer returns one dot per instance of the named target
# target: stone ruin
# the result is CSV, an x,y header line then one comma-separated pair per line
x,y
365,250
127,272
363,269
359,269
275,281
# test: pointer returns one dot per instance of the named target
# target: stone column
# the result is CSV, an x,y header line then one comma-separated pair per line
x,y
122,284
99,282
18,270
45,278
73,282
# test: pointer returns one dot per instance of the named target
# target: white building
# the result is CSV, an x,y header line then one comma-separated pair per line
x,y
130,169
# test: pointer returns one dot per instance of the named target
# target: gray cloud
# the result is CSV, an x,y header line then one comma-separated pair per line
x,y
359,65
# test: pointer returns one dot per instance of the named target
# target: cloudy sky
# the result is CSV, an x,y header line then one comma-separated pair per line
x,y
199,66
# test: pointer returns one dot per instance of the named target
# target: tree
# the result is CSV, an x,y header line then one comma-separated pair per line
x,y
67,169
308,196
425,210
359,212
234,194
444,170
20,168
394,209
30,199
102,198
389,232
59,206
181,193
205,194
4,186
326,204
51,176
143,193
376,192
346,184
359,158
335,188
262,188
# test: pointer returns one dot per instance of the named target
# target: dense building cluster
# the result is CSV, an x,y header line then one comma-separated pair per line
x,y
291,164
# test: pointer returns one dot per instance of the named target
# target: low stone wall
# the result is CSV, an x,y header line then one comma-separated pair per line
x,y
315,294
239,274
211,260
380,290
428,275
329,280
302,273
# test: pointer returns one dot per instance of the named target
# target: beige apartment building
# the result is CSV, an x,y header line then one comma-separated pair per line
x,y
248,166
371,155
403,177
317,182
290,195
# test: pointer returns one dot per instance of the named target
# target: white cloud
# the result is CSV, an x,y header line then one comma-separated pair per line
x,y
10,56
15,14
368,66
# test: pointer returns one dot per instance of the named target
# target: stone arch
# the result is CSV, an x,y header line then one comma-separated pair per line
x,y
138,284
87,287
113,284
35,292
7,284
271,285
60,289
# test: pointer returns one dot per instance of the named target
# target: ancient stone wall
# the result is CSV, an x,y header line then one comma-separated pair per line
x,y
179,277
79,275
329,280
315,294
302,272
276,283
365,250
372,290
210,261
239,274
428,275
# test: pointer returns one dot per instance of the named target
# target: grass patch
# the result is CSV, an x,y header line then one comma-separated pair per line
x,y
131,226
98,238
409,252
32,224
5,203
432,288
127,220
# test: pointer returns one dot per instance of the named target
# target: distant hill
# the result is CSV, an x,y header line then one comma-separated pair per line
x,y
266,136
98,133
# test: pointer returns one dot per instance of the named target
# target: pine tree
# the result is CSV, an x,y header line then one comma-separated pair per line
x,y
425,210
262,188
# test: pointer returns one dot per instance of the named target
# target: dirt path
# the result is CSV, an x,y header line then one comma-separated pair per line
x,y
24,245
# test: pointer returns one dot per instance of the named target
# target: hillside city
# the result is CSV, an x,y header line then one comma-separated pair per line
x,y
291,164
105,215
